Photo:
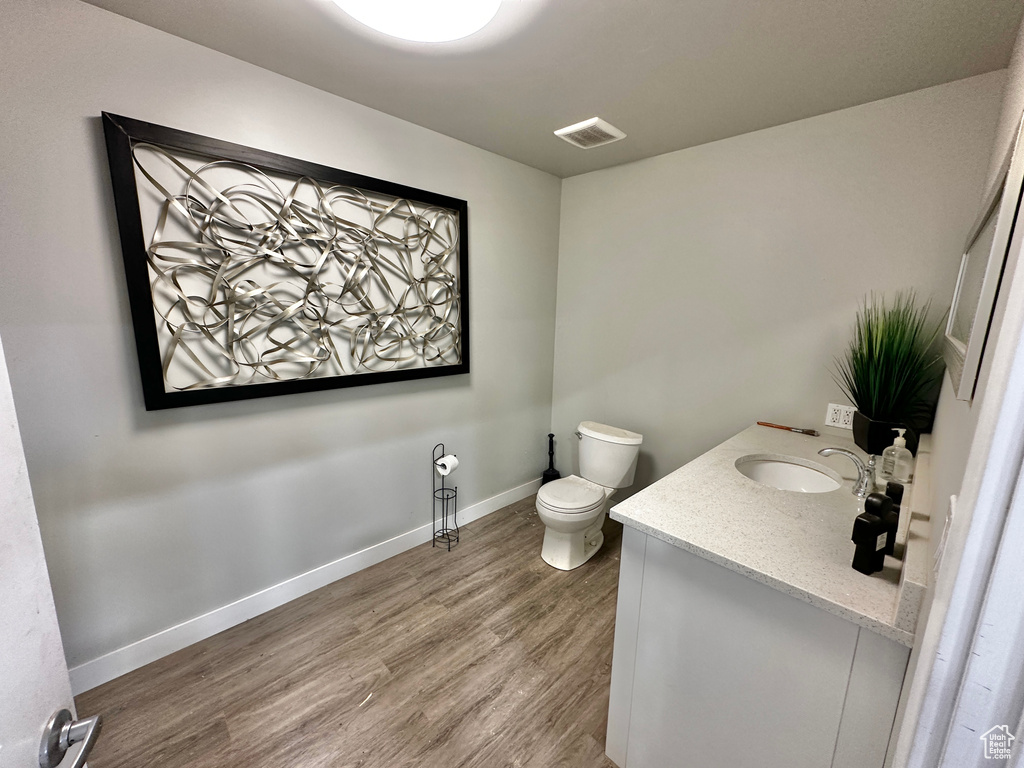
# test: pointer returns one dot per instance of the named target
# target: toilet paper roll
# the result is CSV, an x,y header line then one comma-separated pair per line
x,y
446,464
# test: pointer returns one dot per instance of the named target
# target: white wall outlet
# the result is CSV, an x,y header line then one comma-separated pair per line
x,y
839,416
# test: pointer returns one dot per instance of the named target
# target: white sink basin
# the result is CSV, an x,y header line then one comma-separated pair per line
x,y
788,473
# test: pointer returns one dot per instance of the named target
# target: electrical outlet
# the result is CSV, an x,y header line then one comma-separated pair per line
x,y
839,416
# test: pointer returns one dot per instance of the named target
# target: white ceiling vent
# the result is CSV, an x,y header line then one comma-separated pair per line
x,y
590,133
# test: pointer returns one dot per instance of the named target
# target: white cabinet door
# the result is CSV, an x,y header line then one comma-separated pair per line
x,y
730,672
33,673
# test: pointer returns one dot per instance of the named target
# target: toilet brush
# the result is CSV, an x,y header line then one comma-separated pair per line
x,y
550,473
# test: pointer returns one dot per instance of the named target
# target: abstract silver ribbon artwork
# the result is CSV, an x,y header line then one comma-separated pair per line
x,y
257,277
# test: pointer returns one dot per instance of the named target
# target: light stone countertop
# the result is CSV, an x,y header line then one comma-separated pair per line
x,y
797,543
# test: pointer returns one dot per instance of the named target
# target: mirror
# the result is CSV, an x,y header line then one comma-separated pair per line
x,y
981,271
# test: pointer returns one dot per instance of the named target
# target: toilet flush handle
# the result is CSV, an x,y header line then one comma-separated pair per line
x,y
578,435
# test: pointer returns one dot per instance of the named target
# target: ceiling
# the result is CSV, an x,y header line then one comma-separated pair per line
x,y
670,73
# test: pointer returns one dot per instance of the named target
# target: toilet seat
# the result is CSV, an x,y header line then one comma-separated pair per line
x,y
571,496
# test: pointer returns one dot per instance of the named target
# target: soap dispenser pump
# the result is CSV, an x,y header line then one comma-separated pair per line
x,y
897,461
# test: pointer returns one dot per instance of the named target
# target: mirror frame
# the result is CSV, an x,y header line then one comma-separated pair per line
x,y
1002,200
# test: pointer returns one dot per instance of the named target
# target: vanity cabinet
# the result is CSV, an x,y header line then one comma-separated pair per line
x,y
743,637
712,668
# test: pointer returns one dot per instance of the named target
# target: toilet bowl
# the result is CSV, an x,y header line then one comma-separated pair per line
x,y
573,508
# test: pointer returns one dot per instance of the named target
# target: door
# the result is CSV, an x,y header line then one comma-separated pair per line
x,y
34,681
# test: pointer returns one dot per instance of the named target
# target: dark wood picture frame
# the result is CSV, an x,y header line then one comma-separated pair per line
x,y
123,134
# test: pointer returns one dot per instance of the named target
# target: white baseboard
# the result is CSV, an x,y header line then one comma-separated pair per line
x,y
167,641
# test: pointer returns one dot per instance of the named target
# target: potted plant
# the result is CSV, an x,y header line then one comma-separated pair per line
x,y
889,371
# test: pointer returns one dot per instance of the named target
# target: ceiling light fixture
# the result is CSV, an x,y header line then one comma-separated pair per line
x,y
423,21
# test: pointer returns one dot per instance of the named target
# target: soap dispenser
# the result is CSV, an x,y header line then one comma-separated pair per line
x,y
897,461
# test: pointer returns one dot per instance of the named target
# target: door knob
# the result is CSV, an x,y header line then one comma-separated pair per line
x,y
61,732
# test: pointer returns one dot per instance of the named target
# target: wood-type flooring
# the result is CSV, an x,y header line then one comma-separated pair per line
x,y
483,656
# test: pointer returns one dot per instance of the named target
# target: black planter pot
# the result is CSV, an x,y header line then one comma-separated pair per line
x,y
873,437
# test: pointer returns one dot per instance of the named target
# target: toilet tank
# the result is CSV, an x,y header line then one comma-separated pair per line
x,y
608,454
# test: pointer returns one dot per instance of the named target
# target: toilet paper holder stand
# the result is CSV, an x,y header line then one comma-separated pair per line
x,y
444,508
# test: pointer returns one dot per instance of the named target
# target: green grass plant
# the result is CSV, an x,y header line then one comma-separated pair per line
x,y
891,366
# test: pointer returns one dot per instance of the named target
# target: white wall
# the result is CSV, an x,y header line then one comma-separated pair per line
x,y
706,289
149,519
944,632
956,420
1012,108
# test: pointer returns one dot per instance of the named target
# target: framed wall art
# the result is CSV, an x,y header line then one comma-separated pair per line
x,y
981,273
252,274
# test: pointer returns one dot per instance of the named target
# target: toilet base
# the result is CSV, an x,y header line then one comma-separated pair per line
x,y
566,551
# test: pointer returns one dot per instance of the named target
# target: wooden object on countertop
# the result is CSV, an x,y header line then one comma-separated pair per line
x,y
811,432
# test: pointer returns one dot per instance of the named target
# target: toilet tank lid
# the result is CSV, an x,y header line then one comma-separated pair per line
x,y
609,434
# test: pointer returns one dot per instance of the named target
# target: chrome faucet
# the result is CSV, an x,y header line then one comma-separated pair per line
x,y
865,472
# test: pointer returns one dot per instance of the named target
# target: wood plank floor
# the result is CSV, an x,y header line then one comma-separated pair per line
x,y
482,656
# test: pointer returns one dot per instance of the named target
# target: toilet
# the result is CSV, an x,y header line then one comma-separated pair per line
x,y
573,508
